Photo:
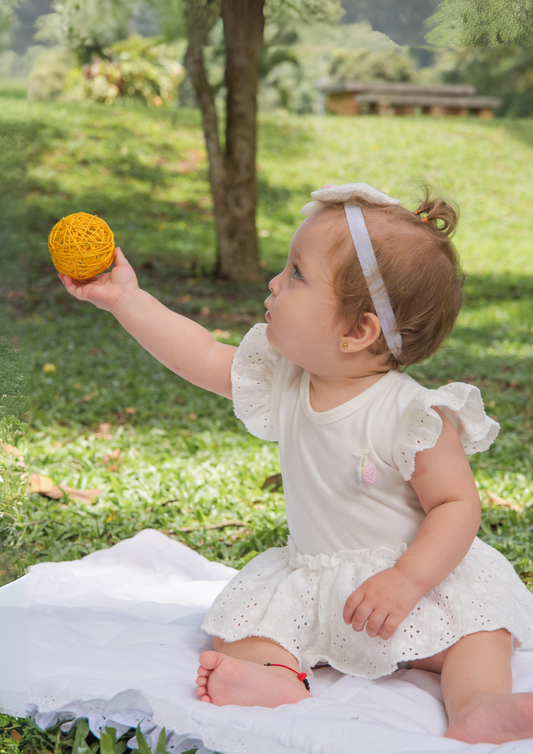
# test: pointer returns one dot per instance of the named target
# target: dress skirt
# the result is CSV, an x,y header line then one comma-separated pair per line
x,y
297,600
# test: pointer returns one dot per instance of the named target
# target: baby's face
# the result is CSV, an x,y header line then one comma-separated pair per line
x,y
301,307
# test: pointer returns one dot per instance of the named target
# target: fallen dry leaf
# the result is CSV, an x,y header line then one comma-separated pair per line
x,y
497,500
82,496
39,483
113,455
193,416
130,410
16,735
12,450
103,428
43,485
113,467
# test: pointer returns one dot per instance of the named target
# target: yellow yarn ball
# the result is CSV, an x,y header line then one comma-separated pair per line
x,y
81,245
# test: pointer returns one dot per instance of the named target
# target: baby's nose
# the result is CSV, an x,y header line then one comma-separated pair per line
x,y
273,286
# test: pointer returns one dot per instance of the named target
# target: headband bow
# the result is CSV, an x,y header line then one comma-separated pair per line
x,y
344,194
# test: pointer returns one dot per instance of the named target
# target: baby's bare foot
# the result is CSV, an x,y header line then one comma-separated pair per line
x,y
226,680
496,720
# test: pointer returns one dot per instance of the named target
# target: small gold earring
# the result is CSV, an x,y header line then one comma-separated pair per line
x,y
345,345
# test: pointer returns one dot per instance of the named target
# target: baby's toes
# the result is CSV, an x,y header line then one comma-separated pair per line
x,y
203,671
201,681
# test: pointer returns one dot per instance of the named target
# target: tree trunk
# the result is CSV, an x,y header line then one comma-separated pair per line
x,y
194,62
232,171
243,31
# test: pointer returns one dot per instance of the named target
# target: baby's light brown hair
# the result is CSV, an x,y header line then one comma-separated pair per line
x,y
420,270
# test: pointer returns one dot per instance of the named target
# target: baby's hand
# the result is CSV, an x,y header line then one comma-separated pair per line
x,y
105,290
382,602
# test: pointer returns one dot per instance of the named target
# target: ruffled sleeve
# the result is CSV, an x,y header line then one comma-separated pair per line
x,y
421,425
252,372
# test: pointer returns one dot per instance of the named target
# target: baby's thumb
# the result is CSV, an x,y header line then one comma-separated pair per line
x,y
119,257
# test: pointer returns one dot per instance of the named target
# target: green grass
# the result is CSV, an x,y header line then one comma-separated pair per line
x,y
186,463
145,171
23,736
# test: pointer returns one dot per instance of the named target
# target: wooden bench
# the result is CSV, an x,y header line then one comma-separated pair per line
x,y
359,97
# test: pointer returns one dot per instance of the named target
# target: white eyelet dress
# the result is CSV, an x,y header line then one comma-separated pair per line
x,y
352,512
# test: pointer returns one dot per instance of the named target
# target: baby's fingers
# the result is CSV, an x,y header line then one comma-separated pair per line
x,y
390,625
351,605
76,288
361,615
69,284
376,622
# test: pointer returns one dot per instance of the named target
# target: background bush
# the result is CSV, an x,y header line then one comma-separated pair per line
x,y
372,65
137,69
49,74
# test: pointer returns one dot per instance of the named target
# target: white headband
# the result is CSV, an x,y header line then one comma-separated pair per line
x,y
364,250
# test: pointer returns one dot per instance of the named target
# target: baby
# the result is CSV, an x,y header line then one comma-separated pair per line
x,y
383,568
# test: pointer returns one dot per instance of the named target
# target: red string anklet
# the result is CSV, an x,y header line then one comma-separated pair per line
x,y
301,676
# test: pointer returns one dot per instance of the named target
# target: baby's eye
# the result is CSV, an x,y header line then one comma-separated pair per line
x,y
296,272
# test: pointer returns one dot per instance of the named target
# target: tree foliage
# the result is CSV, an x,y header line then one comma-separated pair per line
x,y
401,20
168,18
504,72
6,16
324,11
372,65
482,23
87,27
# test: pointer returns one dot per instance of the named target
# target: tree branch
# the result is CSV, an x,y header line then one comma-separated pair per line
x,y
194,63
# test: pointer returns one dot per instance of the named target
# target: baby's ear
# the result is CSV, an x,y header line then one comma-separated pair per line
x,y
357,333
364,335
368,330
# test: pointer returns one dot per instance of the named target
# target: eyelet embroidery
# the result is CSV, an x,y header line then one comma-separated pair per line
x,y
364,472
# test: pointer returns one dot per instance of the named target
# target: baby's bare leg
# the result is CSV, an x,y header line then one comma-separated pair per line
x,y
235,673
476,684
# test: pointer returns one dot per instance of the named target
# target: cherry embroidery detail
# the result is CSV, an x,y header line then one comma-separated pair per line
x,y
364,472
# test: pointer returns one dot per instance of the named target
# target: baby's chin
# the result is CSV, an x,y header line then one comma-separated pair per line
x,y
271,337
291,354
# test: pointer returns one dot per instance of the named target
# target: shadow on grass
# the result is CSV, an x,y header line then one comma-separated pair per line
x,y
497,287
13,89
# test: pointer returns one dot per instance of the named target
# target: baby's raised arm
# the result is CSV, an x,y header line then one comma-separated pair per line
x,y
178,342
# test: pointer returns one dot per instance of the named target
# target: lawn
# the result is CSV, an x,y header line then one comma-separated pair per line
x,y
185,462
186,465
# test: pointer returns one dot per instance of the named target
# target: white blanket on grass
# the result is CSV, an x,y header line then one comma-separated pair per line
x,y
115,637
